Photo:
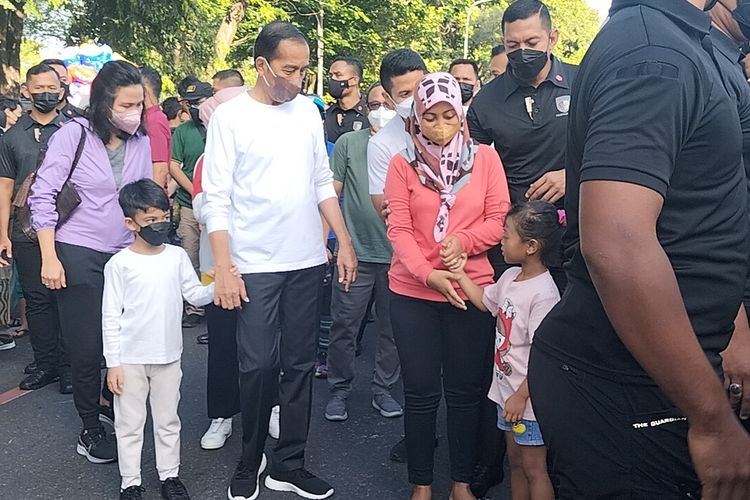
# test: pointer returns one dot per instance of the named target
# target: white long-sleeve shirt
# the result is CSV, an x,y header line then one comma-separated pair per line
x,y
142,305
265,172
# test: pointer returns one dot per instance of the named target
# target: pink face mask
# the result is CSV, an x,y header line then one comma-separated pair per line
x,y
127,121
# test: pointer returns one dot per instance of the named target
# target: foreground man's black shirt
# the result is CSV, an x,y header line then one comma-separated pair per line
x,y
649,108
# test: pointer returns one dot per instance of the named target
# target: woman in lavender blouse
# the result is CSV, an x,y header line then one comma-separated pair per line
x,y
116,152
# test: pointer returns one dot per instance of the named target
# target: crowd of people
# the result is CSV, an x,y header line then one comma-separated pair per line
x,y
572,236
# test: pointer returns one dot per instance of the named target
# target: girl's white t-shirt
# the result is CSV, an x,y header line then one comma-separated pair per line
x,y
519,306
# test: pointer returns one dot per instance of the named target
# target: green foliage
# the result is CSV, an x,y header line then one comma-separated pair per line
x,y
178,37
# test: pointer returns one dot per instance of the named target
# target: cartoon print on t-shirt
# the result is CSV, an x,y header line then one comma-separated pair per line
x,y
503,326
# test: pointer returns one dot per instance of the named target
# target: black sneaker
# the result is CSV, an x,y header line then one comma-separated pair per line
x,y
173,489
244,484
31,368
7,342
97,446
132,493
299,481
485,477
38,379
66,382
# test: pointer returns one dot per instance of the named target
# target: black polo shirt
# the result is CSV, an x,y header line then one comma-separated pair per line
x,y
728,57
69,112
529,144
19,153
650,108
339,121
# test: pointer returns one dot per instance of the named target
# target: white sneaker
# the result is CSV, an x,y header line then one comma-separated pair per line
x,y
217,434
273,424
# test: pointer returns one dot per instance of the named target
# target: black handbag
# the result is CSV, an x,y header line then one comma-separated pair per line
x,y
67,198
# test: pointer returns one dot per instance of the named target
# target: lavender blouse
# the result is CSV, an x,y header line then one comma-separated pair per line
x,y
98,222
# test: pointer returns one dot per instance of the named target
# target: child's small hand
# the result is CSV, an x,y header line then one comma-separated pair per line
x,y
451,250
514,408
115,380
459,265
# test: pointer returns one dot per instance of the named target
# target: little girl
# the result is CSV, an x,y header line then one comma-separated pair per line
x,y
520,300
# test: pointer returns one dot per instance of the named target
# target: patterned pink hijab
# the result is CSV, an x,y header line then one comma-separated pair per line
x,y
446,169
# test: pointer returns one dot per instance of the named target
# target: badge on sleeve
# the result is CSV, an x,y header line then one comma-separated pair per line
x,y
357,126
563,104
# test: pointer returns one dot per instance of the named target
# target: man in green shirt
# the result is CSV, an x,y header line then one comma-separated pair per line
x,y
368,233
188,143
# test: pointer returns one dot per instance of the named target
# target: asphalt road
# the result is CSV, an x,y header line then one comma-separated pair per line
x,y
38,433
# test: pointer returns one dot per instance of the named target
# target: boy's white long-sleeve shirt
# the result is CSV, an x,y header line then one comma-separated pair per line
x,y
265,172
142,305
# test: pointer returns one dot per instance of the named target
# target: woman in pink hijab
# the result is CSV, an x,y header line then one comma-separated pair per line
x,y
448,196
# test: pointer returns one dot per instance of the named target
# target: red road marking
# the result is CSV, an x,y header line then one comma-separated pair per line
x,y
12,394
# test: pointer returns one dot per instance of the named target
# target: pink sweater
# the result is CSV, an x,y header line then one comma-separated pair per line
x,y
477,219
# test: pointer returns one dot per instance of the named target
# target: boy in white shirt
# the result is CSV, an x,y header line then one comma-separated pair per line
x,y
144,286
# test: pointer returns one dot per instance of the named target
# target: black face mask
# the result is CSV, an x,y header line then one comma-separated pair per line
x,y
45,102
195,113
742,15
526,64
337,87
467,92
66,88
156,234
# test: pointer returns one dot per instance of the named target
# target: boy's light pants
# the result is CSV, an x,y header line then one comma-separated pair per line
x,y
161,385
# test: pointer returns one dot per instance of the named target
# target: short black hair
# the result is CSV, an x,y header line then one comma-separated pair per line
x,y
171,107
352,61
55,62
497,50
113,76
142,195
538,220
229,74
152,79
524,9
399,62
372,87
272,35
470,62
40,69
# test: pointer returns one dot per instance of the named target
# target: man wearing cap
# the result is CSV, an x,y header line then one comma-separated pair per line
x,y
188,143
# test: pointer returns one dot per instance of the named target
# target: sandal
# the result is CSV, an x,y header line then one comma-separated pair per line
x,y
19,333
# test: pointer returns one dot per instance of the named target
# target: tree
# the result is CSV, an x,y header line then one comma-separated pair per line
x,y
11,26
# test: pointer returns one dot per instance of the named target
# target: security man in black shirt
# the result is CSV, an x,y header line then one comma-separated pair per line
x,y
349,112
727,36
624,370
67,110
19,156
524,112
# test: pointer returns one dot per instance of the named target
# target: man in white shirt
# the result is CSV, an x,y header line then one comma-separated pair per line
x,y
400,72
266,183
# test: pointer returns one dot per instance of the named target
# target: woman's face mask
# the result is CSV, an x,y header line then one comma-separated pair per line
x,y
440,123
